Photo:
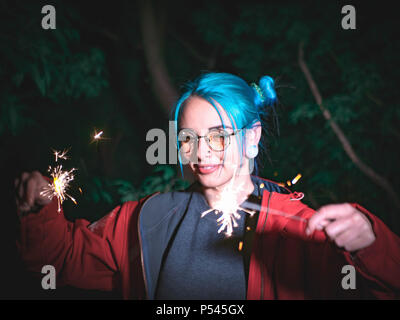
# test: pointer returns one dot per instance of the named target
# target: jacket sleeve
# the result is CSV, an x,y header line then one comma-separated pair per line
x,y
379,263
84,255
377,267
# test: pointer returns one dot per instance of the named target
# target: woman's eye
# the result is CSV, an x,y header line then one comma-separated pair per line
x,y
221,134
218,137
185,137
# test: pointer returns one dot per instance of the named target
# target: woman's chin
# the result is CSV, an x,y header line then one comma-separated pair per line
x,y
212,180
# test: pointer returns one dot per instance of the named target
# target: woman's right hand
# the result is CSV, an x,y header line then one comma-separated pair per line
x,y
27,189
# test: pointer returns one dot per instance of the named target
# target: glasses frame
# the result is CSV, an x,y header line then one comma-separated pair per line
x,y
197,138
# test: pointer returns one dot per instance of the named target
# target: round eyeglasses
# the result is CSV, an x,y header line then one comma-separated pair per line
x,y
216,139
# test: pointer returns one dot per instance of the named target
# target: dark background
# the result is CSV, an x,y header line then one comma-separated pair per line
x,y
118,66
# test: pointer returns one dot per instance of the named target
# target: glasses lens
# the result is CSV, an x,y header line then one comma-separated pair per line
x,y
186,140
218,140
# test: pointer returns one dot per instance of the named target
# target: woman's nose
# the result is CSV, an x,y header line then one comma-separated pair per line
x,y
203,149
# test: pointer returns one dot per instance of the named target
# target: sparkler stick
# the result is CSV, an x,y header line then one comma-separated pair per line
x,y
258,207
61,180
319,237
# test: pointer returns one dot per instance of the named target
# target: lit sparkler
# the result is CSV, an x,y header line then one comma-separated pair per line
x,y
60,183
227,204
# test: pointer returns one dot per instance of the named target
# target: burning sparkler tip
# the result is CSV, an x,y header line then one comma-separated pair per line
x,y
61,180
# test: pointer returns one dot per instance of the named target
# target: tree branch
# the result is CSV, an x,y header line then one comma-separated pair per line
x,y
161,83
368,171
209,62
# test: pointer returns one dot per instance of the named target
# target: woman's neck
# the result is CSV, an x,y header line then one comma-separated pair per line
x,y
240,185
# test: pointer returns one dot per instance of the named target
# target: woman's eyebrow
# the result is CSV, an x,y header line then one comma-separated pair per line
x,y
220,127
211,128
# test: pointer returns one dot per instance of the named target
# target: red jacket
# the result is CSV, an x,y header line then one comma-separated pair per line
x,y
115,253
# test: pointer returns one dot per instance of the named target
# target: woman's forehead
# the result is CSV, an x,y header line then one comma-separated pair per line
x,y
200,114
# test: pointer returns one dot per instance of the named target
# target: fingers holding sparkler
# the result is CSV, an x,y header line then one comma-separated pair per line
x,y
348,227
32,190
28,188
325,216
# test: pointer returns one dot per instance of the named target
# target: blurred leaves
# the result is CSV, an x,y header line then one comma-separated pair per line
x,y
60,67
304,112
116,191
12,118
98,191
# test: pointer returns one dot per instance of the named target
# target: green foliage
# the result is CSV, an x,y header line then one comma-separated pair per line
x,y
78,75
98,191
305,111
12,118
50,64
162,179
115,191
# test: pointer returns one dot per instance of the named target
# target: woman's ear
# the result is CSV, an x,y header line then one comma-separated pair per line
x,y
253,134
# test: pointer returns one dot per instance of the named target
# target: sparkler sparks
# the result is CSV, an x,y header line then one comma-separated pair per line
x,y
294,181
60,183
227,204
60,155
297,178
97,136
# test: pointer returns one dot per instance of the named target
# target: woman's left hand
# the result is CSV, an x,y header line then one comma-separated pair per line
x,y
345,225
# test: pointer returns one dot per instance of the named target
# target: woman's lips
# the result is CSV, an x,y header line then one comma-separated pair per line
x,y
207,169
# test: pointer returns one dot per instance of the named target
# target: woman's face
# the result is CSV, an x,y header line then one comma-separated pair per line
x,y
211,168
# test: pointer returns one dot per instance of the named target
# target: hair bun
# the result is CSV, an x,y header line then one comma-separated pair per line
x,y
265,91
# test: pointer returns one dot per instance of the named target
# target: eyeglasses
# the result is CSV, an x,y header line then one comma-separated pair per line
x,y
216,139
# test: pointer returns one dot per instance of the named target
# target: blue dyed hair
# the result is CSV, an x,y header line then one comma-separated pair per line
x,y
244,104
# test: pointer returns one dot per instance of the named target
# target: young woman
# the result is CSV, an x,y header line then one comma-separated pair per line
x,y
169,246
